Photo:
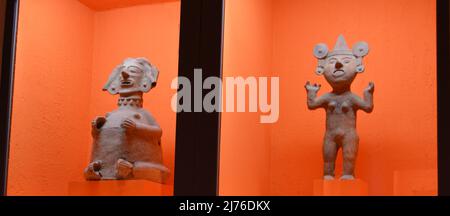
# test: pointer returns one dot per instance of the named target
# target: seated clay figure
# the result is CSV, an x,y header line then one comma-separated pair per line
x,y
127,141
340,68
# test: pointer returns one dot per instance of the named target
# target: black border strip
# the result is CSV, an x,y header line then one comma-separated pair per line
x,y
198,134
443,83
7,77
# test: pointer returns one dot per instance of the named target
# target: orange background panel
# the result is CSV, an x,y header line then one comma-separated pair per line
x,y
244,148
277,38
50,117
415,182
65,52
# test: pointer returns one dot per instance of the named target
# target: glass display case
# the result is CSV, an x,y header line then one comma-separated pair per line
x,y
398,140
65,52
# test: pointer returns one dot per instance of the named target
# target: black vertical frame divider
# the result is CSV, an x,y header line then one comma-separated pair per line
x,y
8,18
443,83
198,133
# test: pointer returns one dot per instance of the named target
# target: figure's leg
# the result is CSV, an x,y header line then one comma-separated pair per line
x,y
92,171
124,169
150,171
330,149
350,150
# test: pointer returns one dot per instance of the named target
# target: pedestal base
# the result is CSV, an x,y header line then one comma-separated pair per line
x,y
355,187
115,188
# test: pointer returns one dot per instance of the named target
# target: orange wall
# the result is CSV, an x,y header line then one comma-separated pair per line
x,y
397,139
65,53
50,121
151,31
244,151
102,5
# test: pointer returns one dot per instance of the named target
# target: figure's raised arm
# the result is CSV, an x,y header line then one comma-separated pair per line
x,y
312,100
366,104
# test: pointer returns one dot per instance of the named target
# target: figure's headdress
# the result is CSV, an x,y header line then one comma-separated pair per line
x,y
149,80
359,50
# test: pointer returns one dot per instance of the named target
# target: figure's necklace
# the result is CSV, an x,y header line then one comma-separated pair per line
x,y
131,101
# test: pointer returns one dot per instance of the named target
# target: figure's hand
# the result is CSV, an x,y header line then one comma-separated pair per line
x,y
92,172
129,125
314,87
371,88
98,122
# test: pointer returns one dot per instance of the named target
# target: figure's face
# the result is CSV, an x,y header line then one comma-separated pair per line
x,y
340,70
131,77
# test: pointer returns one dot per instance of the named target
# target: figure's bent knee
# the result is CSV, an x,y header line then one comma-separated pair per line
x,y
151,171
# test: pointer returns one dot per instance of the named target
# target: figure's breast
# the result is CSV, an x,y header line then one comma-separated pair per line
x,y
114,142
340,116
116,118
339,107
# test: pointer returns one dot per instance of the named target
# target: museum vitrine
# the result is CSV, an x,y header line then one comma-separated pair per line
x,y
73,60
336,97
275,40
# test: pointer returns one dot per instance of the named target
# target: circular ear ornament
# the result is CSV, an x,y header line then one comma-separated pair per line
x,y
113,91
360,69
361,49
154,76
320,51
320,70
146,85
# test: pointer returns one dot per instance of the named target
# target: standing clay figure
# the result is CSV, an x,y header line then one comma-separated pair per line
x,y
340,68
127,141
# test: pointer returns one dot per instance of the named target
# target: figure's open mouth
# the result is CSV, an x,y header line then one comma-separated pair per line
x,y
338,73
126,83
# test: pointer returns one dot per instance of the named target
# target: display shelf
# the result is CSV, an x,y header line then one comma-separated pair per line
x,y
115,188
355,187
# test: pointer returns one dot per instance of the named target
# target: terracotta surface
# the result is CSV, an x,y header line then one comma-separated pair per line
x,y
127,141
102,5
150,30
340,67
276,37
63,60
